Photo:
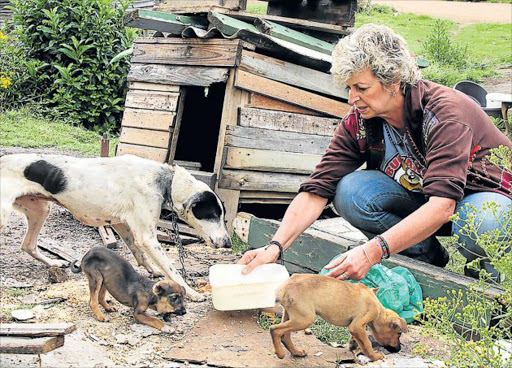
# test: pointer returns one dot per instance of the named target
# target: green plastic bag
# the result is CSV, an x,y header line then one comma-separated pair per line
x,y
398,289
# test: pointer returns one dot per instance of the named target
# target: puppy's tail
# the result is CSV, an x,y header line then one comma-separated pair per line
x,y
74,267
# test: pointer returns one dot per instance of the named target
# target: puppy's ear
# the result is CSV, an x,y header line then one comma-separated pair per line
x,y
160,288
183,291
375,290
398,324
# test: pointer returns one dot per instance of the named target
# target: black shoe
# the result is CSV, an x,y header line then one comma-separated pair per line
x,y
441,258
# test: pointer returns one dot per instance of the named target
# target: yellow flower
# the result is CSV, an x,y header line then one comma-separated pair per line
x,y
2,36
5,81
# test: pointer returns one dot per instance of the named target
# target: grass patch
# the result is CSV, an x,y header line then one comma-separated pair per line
x,y
324,331
257,7
487,42
26,129
330,334
238,245
17,292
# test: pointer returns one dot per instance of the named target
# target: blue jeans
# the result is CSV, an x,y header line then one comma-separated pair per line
x,y
373,202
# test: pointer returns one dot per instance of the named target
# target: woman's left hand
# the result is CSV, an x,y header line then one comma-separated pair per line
x,y
350,265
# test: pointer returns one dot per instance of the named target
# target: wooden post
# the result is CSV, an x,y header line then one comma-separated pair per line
x,y
106,233
233,99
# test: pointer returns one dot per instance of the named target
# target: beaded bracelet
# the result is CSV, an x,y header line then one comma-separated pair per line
x,y
384,246
281,251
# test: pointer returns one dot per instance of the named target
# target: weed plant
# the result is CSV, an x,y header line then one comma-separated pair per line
x,y
450,62
486,322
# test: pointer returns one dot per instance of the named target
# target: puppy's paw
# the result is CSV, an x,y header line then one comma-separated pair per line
x,y
362,359
102,318
168,329
110,308
280,354
299,353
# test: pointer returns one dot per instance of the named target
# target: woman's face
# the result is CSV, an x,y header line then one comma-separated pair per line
x,y
370,97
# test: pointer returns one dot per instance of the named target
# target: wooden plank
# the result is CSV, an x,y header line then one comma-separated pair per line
x,y
108,237
202,6
36,329
264,200
288,34
163,22
183,228
266,195
208,178
203,53
26,345
145,137
177,75
290,94
151,153
291,22
153,100
241,225
312,250
153,87
273,161
59,251
263,102
291,74
148,119
264,181
276,120
189,165
269,139
177,124
233,98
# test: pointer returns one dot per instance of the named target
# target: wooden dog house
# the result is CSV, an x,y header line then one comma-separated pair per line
x,y
251,110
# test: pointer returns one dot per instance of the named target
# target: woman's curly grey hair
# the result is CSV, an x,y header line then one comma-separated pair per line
x,y
378,49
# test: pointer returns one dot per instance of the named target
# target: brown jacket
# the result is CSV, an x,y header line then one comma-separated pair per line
x,y
452,136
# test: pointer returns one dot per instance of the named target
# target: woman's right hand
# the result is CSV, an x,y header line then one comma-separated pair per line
x,y
257,257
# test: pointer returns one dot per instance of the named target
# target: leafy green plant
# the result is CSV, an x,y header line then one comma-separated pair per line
x,y
70,45
485,321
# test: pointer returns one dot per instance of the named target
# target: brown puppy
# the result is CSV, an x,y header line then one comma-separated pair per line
x,y
107,271
339,303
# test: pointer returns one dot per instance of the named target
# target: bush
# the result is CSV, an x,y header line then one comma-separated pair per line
x,y
68,47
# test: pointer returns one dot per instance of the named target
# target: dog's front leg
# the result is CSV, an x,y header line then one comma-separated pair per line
x,y
153,249
358,332
124,232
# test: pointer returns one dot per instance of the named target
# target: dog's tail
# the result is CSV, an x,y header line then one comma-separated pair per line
x,y
74,267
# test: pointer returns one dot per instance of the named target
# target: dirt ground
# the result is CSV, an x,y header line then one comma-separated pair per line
x,y
24,284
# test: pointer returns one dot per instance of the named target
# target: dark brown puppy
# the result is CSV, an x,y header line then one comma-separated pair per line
x,y
339,303
107,271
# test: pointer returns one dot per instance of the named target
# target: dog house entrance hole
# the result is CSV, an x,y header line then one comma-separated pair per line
x,y
200,124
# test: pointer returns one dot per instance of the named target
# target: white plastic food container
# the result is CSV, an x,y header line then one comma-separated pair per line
x,y
233,291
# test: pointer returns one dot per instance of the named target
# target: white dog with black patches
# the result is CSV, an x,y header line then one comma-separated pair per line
x,y
125,192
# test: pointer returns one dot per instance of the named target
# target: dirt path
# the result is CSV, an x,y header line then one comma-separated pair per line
x,y
460,12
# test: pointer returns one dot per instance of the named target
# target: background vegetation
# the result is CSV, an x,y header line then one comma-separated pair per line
x,y
60,56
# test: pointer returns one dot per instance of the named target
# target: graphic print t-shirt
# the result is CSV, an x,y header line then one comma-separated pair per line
x,y
400,163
